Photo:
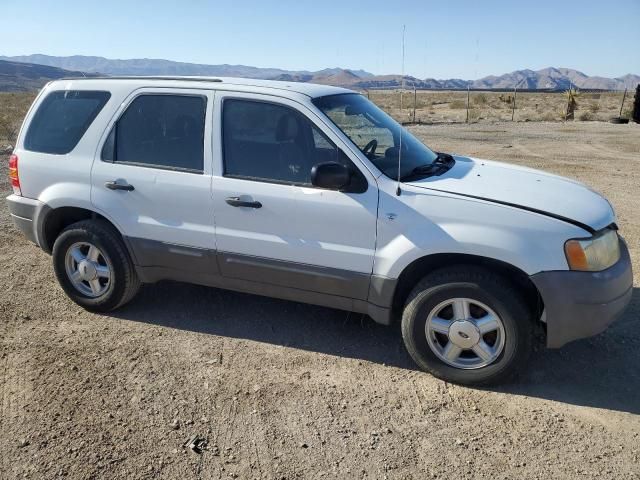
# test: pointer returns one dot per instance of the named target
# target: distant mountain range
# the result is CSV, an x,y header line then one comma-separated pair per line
x,y
147,66
545,79
24,77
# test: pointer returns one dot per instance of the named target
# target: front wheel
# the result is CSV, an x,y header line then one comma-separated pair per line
x,y
467,325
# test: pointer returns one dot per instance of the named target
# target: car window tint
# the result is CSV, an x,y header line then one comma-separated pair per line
x,y
62,119
160,131
272,142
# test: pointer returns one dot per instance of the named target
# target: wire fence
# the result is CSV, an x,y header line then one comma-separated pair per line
x,y
439,106
432,106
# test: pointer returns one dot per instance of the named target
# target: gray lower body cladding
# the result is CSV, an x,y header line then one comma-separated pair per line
x,y
331,287
583,304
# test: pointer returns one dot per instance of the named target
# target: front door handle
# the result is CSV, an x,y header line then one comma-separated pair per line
x,y
119,186
236,202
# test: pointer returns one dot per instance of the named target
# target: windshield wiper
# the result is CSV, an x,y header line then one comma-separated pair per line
x,y
442,163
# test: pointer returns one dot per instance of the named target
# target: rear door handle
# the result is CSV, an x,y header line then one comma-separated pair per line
x,y
236,202
119,186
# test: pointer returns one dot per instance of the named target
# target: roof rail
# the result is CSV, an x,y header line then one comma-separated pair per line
x,y
147,77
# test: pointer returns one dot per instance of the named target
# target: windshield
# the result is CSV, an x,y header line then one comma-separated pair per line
x,y
375,133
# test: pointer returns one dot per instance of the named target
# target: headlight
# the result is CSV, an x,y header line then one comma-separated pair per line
x,y
593,254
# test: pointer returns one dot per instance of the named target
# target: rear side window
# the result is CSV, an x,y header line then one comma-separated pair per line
x,y
62,119
162,131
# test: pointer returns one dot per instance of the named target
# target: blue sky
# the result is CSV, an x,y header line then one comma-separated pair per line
x,y
461,39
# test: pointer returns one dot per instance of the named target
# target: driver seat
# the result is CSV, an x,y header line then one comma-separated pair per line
x,y
292,154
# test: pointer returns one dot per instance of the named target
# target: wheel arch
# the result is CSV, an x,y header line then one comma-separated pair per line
x,y
53,220
420,267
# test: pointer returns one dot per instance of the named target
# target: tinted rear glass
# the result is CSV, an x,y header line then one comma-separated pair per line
x,y
164,131
62,119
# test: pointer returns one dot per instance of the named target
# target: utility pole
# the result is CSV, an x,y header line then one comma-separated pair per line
x,y
415,101
402,73
468,93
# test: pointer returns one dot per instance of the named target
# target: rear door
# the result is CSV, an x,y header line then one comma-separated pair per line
x,y
272,225
152,177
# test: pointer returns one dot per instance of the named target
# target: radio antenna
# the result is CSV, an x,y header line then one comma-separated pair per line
x,y
398,191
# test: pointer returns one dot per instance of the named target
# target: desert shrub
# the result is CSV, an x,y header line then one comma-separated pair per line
x,y
457,104
594,108
586,117
8,129
13,107
480,99
508,99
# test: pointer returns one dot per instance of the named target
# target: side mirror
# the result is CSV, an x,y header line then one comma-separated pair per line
x,y
331,175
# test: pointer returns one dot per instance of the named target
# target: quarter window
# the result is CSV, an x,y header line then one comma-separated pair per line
x,y
271,142
62,119
163,131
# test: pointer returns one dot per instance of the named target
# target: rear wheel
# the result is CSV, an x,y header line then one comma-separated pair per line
x,y
467,325
93,267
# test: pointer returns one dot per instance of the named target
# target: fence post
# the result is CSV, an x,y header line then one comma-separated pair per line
x,y
513,108
624,95
468,91
415,101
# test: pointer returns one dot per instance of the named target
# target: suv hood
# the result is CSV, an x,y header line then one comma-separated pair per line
x,y
525,188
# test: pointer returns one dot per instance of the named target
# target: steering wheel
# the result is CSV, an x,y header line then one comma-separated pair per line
x,y
370,148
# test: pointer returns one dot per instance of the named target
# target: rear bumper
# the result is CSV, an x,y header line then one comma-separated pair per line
x,y
26,214
583,304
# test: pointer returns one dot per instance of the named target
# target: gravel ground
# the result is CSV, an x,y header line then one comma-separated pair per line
x,y
285,390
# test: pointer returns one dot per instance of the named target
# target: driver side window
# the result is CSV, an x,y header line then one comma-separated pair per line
x,y
273,143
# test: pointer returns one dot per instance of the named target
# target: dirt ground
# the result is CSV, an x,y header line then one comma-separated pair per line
x,y
286,390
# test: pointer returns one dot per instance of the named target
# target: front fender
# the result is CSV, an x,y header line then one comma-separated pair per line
x,y
436,223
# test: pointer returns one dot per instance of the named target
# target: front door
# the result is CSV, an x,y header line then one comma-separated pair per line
x,y
152,178
272,225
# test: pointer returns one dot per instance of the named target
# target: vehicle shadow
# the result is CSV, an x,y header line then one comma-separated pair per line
x,y
600,372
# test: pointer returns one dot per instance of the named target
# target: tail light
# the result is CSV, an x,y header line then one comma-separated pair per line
x,y
13,174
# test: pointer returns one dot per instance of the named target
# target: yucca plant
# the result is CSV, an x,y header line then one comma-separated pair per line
x,y
572,104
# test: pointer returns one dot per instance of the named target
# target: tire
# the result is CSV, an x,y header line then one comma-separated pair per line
x,y
619,120
484,292
115,289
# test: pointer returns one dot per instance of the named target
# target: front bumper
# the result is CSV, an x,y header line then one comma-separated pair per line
x,y
583,304
26,214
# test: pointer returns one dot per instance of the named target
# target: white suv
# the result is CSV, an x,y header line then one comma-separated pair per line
x,y
311,193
